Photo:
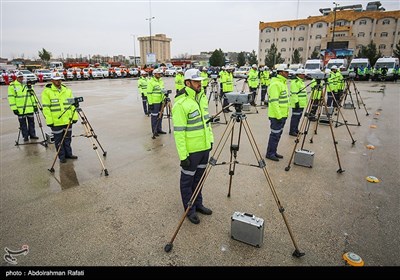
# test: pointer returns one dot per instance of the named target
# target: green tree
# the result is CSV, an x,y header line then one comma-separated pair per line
x,y
273,57
253,58
45,56
396,51
315,54
369,52
217,58
296,58
241,60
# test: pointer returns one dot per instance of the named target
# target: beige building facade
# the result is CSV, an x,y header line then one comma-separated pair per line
x,y
160,46
352,29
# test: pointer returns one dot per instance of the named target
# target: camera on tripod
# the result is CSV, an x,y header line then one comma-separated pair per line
x,y
75,101
166,92
29,84
318,76
239,98
214,76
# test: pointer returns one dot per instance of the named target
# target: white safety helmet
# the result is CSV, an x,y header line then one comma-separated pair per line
x,y
300,71
19,74
223,67
180,71
193,74
143,72
157,71
281,67
204,69
334,67
254,66
56,76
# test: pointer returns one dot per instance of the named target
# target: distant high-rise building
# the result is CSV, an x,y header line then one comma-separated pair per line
x,y
160,47
352,29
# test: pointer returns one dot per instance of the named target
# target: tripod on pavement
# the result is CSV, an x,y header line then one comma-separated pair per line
x,y
165,105
238,117
37,106
214,93
351,105
317,107
89,133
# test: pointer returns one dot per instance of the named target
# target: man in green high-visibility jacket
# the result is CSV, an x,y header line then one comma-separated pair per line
x,y
193,139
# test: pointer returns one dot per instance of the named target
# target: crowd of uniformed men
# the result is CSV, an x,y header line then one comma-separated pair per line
x,y
191,119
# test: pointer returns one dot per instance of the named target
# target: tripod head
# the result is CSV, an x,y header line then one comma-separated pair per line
x,y
75,101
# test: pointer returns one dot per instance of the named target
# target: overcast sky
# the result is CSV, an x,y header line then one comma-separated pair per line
x,y
73,28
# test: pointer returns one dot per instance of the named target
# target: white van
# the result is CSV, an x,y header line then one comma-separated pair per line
x,y
388,63
313,66
360,63
340,63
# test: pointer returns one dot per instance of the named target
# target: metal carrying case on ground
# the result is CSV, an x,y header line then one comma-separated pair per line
x,y
348,105
49,137
247,228
246,107
304,158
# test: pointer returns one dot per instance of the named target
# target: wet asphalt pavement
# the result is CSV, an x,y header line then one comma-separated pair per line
x,y
77,216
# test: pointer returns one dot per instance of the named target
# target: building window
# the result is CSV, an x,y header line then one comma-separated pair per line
x,y
283,50
318,48
267,40
301,38
302,27
363,22
283,40
384,34
284,29
382,46
268,31
300,49
361,34
318,37
261,41
319,25
385,21
359,46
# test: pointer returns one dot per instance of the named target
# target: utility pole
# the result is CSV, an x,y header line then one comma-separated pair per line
x,y
134,49
334,21
149,19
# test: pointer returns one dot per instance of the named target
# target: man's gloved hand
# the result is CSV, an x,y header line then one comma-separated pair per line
x,y
211,146
297,105
35,109
74,121
16,112
185,162
151,107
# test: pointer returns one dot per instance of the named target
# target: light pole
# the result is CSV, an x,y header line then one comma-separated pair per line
x,y
149,19
334,21
134,49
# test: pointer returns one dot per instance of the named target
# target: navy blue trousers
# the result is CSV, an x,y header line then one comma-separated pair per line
x,y
27,125
58,132
295,120
156,127
190,177
275,135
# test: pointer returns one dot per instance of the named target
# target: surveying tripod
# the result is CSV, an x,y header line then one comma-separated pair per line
x,y
254,93
37,106
165,105
351,105
89,133
316,107
237,117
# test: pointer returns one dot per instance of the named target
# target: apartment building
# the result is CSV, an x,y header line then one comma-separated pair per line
x,y
347,27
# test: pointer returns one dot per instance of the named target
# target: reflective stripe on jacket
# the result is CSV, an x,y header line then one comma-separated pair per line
x,y
154,91
142,85
298,93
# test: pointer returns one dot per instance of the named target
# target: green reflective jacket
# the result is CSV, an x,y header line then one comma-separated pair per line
x,y
252,78
191,131
154,91
179,81
298,93
278,101
56,108
142,85
20,99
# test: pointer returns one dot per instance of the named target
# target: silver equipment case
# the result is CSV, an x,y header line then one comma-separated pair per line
x,y
247,228
304,158
49,137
